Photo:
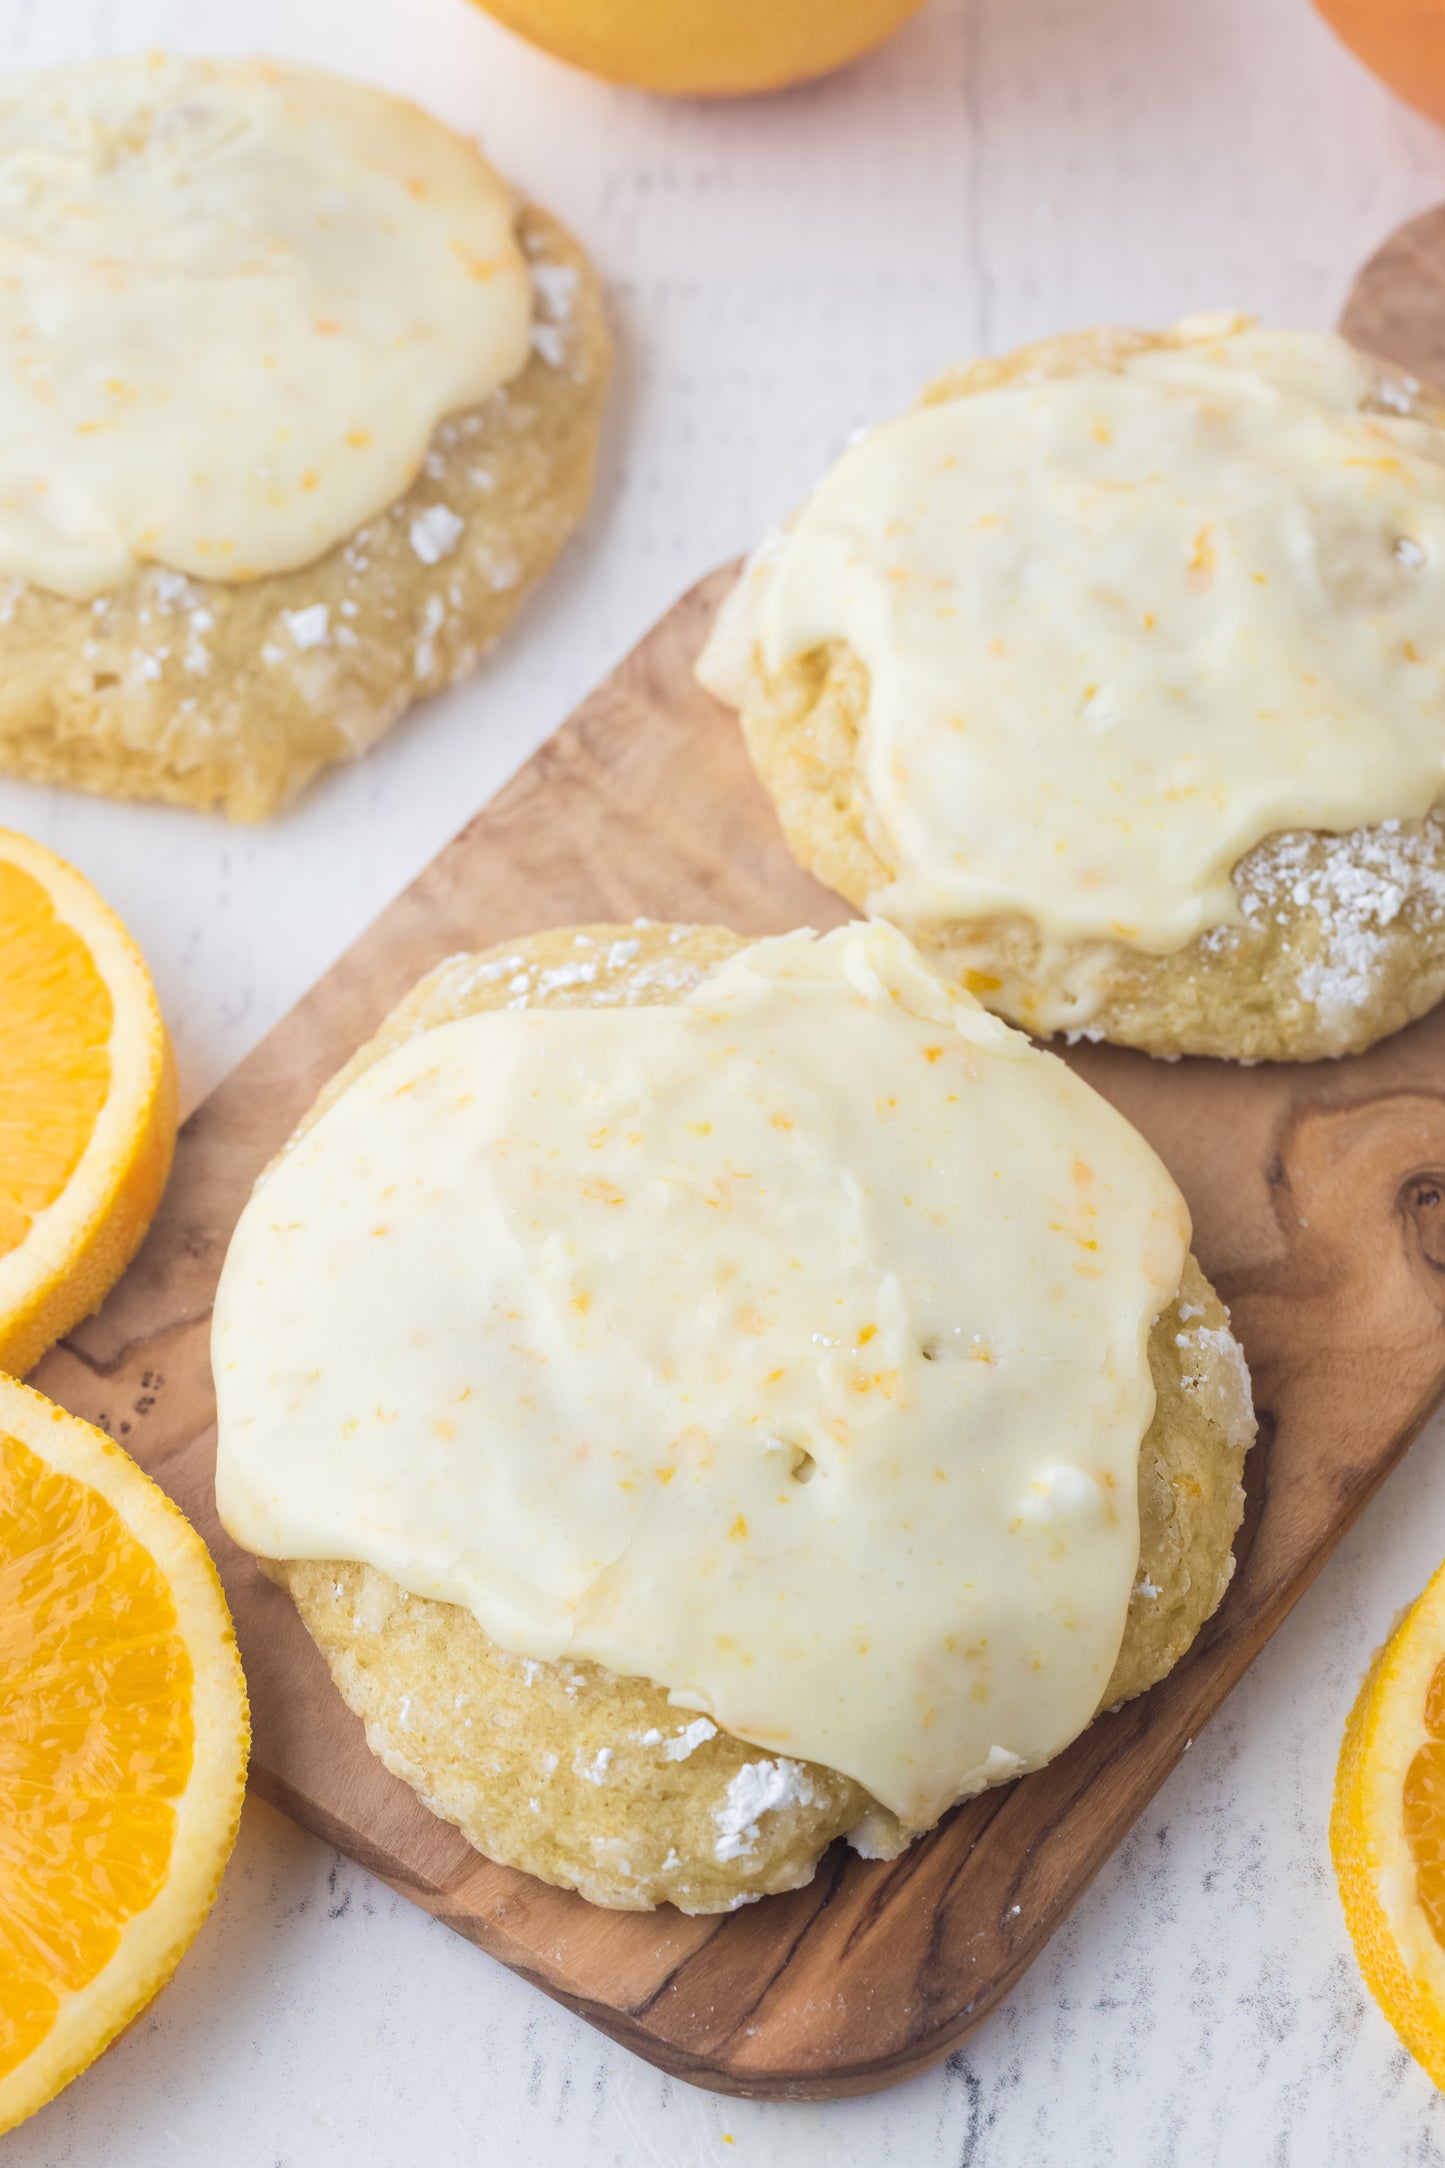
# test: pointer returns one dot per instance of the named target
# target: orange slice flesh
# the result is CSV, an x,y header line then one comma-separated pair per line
x,y
87,1100
123,1738
1387,1831
1424,1809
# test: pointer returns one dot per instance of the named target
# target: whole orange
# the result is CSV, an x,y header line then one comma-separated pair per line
x,y
1403,41
704,48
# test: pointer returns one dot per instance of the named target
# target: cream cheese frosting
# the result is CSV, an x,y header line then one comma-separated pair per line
x,y
1122,625
236,299
786,1346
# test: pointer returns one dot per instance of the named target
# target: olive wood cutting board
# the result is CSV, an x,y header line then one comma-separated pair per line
x,y
1318,1196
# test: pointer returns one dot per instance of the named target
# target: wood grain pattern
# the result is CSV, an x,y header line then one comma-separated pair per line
x,y
1319,1204
1397,304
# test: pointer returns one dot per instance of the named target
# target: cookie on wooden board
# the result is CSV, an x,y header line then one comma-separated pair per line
x,y
598,1781
1112,674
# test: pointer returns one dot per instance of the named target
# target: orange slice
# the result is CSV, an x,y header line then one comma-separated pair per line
x,y
1387,1832
87,1100
123,1737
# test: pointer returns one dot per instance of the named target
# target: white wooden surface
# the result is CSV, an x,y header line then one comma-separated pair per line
x,y
780,271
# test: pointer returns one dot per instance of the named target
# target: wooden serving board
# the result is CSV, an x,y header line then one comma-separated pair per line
x,y
1319,1205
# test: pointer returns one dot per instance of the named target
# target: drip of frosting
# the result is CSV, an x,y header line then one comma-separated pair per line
x,y
1121,626
236,299
786,1346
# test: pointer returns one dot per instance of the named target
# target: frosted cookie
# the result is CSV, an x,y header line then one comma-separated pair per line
x,y
1112,673
672,1475
297,402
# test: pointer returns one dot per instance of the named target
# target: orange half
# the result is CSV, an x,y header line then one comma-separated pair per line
x,y
123,1740
87,1100
705,48
1387,1831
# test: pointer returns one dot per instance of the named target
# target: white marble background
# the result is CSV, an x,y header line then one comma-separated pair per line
x,y
780,271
